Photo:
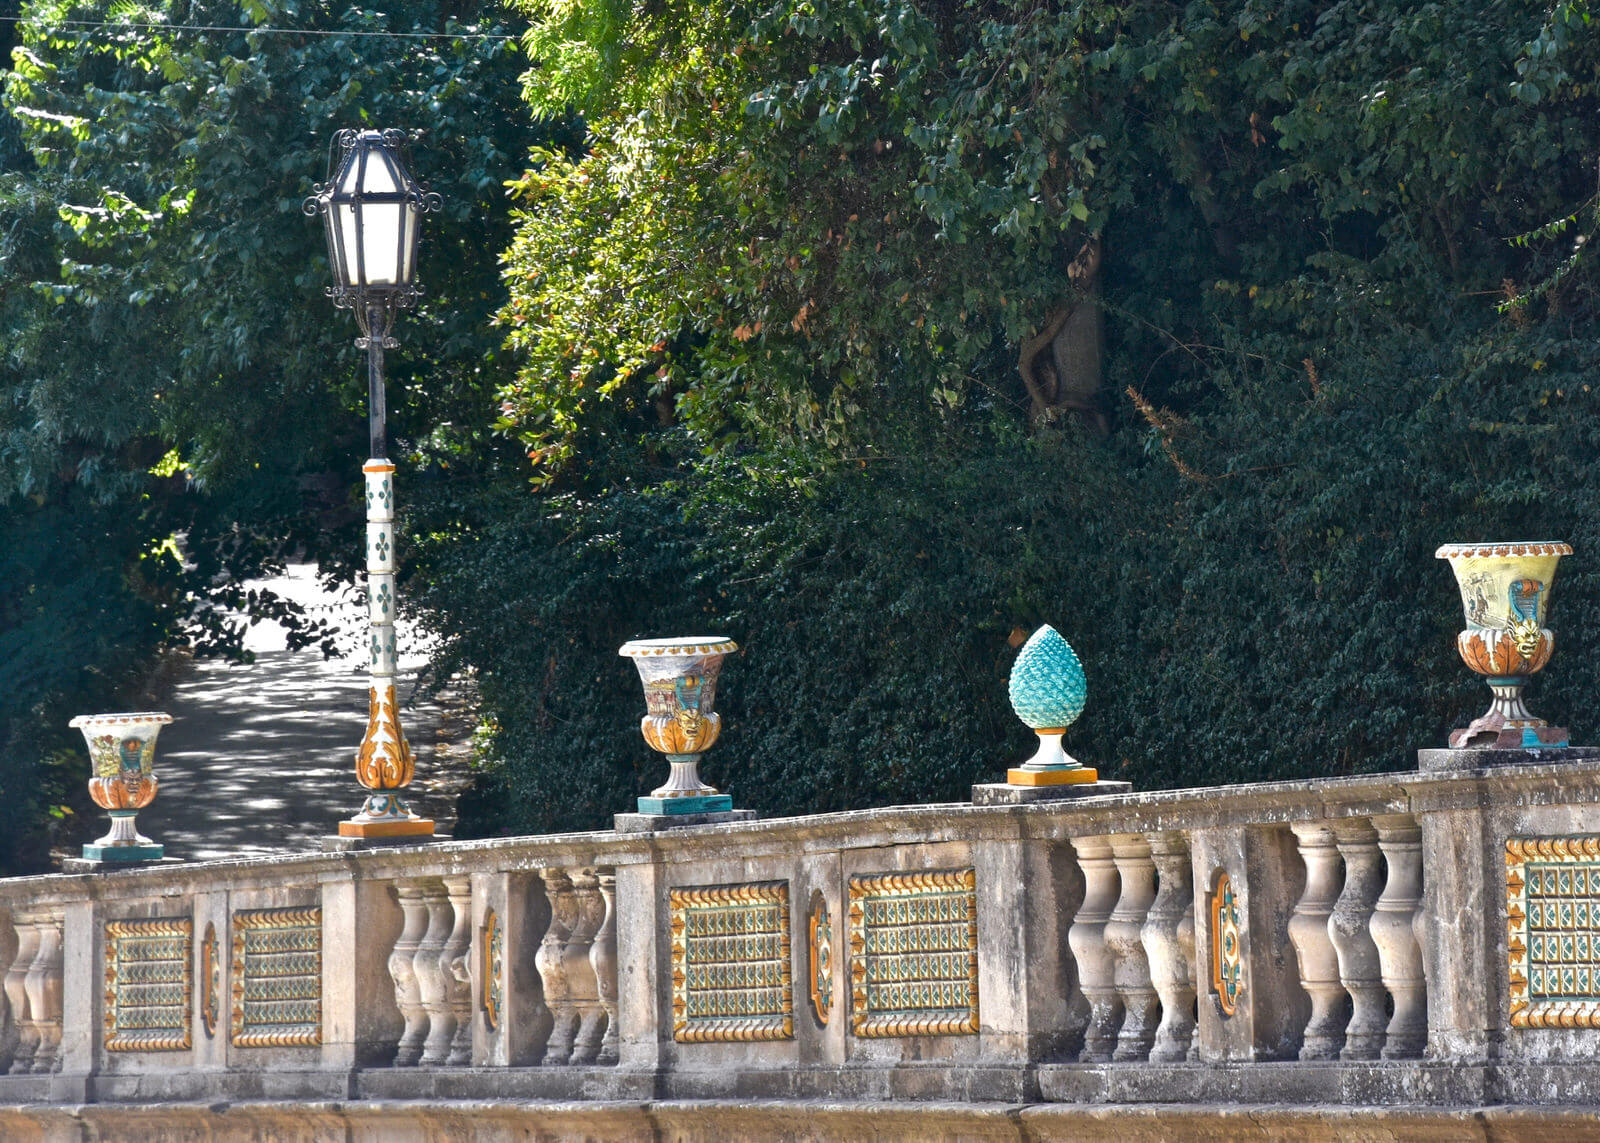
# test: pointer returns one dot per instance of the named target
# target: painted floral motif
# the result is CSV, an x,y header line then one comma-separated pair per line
x,y
1227,965
384,761
1502,654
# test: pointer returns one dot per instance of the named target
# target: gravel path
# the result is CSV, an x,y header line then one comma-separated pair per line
x,y
260,758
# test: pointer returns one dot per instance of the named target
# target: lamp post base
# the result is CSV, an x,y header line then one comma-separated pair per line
x,y
385,815
1051,776
405,827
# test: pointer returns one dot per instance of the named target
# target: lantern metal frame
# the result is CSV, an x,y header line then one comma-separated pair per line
x,y
375,303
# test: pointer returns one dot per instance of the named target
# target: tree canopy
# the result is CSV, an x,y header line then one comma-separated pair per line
x,y
872,333
182,408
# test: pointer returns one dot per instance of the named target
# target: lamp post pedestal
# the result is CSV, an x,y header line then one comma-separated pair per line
x,y
383,763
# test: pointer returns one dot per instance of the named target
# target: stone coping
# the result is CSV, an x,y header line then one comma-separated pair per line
x,y
693,1121
1139,811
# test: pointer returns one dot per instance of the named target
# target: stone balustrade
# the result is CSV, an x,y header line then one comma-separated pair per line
x,y
1422,939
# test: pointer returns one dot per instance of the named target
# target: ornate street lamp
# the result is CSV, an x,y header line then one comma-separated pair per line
x,y
370,206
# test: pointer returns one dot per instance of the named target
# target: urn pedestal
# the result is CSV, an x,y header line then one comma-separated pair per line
x,y
122,755
1505,595
680,687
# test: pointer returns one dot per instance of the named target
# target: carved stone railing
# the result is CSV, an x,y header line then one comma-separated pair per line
x,y
1420,939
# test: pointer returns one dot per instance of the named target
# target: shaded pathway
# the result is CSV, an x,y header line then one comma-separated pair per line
x,y
261,757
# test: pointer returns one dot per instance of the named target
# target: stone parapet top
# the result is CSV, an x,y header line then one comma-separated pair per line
x,y
1136,812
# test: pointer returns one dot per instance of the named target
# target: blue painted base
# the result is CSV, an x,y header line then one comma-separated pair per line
x,y
123,852
698,804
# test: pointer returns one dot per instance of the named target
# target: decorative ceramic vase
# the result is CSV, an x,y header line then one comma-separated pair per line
x,y
680,685
1048,690
122,752
1505,592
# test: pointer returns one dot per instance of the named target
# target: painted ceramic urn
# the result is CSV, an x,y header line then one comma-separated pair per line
x,y
1048,690
680,687
122,755
1505,593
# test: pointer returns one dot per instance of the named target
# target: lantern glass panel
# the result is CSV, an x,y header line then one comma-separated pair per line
x,y
348,258
408,244
381,177
382,226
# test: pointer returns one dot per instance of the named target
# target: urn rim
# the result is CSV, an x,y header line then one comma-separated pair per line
x,y
1508,549
678,645
107,721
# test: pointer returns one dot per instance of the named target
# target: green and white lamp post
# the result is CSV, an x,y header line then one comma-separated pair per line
x,y
371,208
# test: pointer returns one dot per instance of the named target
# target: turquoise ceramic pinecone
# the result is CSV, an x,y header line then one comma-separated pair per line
x,y
1048,687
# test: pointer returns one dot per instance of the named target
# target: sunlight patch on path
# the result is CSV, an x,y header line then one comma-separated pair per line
x,y
260,758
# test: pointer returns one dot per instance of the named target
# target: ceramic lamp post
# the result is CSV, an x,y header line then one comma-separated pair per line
x,y
680,686
122,752
1505,593
1048,690
371,208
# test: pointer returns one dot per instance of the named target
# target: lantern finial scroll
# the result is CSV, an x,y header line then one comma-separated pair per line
x,y
1505,594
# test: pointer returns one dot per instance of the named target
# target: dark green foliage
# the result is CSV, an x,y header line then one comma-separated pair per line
x,y
171,376
1325,357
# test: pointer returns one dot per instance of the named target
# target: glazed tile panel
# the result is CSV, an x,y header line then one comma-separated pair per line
x,y
1553,931
731,969
148,980
914,953
277,978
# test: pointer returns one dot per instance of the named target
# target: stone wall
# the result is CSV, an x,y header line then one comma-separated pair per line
x,y
1396,956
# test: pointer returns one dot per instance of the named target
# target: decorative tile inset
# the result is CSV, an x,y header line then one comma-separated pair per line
x,y
1553,931
493,997
210,981
731,975
820,933
1227,968
277,978
148,985
914,954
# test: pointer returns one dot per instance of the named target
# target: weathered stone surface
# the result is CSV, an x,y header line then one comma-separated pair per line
x,y
711,1121
1093,942
1447,758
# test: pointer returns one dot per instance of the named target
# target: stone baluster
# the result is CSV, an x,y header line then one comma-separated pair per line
x,y
1350,928
552,965
1124,935
457,959
1308,932
1087,939
582,984
1169,943
43,985
433,974
1394,934
17,992
402,969
603,959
